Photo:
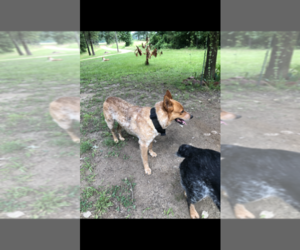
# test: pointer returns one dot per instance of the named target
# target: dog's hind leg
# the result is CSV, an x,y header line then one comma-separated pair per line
x,y
65,123
110,124
151,152
73,136
119,129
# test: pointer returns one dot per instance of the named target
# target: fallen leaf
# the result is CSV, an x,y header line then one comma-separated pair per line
x,y
16,214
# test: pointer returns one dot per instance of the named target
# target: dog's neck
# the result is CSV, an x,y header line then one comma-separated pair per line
x,y
162,115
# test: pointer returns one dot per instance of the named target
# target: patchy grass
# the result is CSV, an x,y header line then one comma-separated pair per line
x,y
168,212
11,146
32,143
85,146
102,203
124,194
37,202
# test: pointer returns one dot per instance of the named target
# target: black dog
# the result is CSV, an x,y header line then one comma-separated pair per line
x,y
200,175
249,174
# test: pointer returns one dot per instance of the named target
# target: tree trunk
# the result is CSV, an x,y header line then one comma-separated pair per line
x,y
24,44
91,43
281,55
76,38
211,55
15,43
87,45
116,40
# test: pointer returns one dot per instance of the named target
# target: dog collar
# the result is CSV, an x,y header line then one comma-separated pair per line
x,y
156,124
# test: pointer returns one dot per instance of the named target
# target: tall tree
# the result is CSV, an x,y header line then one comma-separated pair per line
x,y
90,39
108,36
211,55
137,34
87,45
125,36
82,43
116,40
5,43
76,38
62,37
15,44
22,40
282,50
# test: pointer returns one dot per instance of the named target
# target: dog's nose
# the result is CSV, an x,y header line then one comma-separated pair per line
x,y
191,116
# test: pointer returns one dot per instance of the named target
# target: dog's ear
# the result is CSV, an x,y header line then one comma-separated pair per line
x,y
168,94
168,104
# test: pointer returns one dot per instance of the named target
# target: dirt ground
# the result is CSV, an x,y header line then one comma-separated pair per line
x,y
161,191
47,166
267,116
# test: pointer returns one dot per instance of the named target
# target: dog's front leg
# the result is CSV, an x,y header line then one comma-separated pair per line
x,y
144,154
193,212
151,152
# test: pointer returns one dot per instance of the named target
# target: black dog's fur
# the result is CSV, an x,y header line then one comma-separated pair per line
x,y
200,174
249,174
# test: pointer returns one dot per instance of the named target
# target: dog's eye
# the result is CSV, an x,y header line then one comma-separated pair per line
x,y
182,111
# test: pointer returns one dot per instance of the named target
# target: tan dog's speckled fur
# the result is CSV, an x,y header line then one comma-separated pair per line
x,y
136,121
63,111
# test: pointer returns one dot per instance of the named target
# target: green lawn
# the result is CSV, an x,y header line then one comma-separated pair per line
x,y
171,67
239,62
36,69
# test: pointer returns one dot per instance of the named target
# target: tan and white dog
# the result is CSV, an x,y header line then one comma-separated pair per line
x,y
52,59
136,121
103,59
63,111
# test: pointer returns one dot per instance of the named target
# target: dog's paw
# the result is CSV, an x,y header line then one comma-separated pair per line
x,y
246,215
194,215
116,140
77,140
242,213
153,154
148,171
121,138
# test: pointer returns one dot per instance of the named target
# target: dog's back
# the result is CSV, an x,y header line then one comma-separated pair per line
x,y
116,107
67,107
200,170
249,174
